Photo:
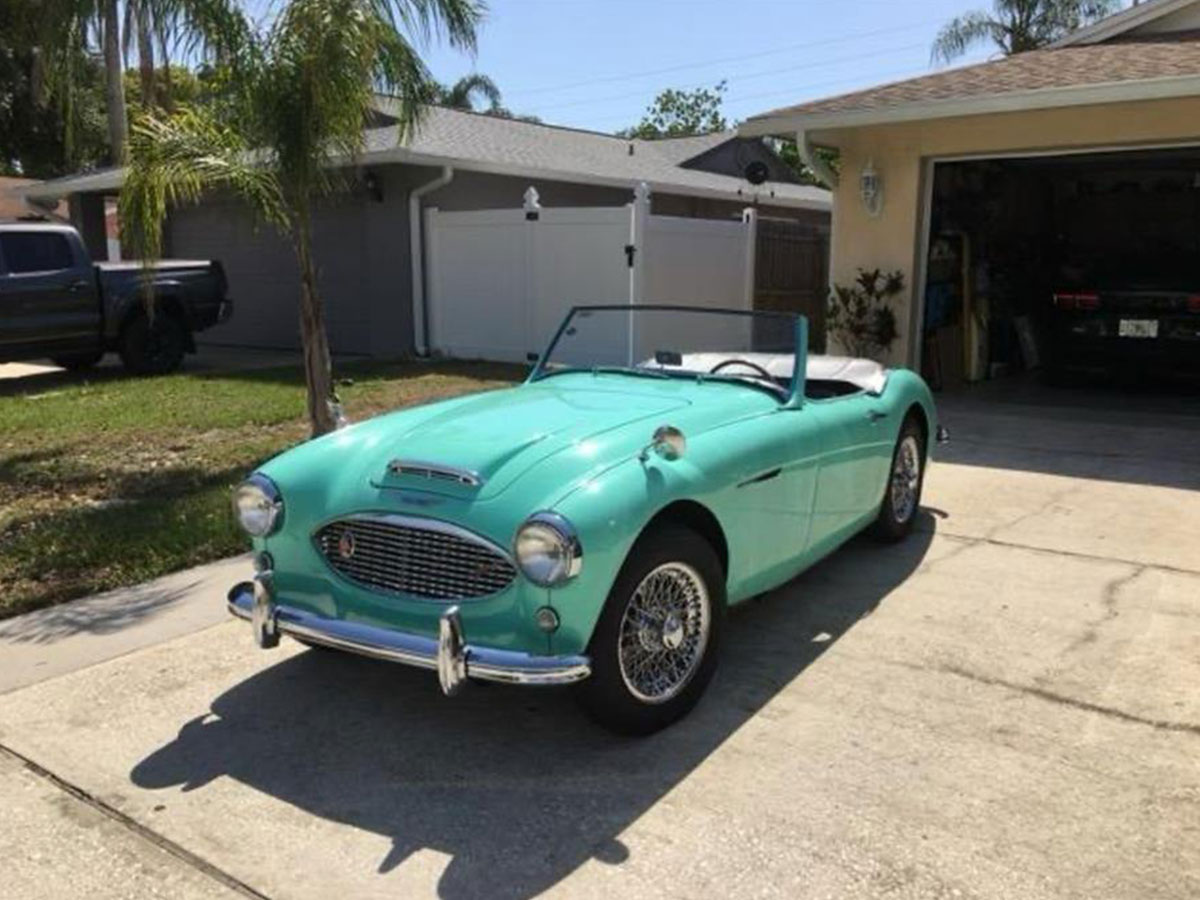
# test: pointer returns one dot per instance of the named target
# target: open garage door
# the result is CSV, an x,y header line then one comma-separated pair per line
x,y
1083,266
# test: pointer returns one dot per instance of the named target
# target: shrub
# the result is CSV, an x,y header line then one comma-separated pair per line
x,y
860,314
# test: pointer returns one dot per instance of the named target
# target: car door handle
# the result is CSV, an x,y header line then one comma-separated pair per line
x,y
875,415
76,286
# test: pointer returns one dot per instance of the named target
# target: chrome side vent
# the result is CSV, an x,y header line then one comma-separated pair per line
x,y
414,557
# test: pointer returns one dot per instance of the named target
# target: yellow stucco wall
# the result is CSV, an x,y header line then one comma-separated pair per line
x,y
898,152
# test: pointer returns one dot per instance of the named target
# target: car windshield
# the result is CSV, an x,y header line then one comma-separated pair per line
x,y
757,349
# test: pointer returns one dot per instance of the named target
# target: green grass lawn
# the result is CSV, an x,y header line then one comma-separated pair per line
x,y
109,480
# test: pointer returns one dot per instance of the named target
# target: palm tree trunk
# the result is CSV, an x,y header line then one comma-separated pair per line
x,y
145,42
317,374
114,88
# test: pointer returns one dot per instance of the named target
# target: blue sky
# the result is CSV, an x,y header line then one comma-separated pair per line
x,y
599,63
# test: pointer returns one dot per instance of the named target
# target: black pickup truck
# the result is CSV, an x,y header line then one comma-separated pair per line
x,y
55,302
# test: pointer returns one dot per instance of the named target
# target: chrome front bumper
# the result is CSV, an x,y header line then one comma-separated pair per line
x,y
454,659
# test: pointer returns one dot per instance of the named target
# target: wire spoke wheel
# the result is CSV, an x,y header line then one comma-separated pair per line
x,y
664,632
906,479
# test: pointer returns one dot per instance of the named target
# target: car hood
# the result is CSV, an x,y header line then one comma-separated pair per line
x,y
494,437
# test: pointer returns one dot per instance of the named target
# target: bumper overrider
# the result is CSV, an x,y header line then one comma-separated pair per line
x,y
454,659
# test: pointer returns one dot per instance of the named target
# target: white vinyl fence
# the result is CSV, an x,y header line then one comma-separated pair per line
x,y
501,281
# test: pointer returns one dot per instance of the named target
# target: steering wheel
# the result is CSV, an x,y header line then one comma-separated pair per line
x,y
742,362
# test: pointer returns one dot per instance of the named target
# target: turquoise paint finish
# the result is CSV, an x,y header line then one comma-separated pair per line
x,y
788,481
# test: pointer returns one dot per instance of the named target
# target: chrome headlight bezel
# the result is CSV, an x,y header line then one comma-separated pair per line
x,y
547,549
258,505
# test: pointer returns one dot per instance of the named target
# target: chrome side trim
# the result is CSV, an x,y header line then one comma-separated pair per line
x,y
449,653
434,471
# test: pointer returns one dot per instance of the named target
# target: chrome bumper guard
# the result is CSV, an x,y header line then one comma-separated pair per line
x,y
454,659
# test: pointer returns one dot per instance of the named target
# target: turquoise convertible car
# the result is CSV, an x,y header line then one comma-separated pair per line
x,y
592,525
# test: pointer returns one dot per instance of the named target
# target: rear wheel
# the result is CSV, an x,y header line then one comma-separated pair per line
x,y
902,496
153,349
655,647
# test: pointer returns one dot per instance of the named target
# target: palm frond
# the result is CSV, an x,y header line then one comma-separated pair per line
x,y
176,159
961,33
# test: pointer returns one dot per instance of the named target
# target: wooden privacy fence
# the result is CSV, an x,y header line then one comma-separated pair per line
x,y
792,271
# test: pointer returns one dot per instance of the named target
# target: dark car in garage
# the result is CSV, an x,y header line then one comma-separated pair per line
x,y
1127,316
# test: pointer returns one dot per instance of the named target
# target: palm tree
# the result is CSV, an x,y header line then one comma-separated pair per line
x,y
298,94
462,94
1015,26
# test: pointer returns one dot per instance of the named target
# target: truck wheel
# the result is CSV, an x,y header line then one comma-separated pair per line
x,y
655,646
77,362
153,349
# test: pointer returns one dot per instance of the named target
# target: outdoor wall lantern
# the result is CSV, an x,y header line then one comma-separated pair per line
x,y
870,185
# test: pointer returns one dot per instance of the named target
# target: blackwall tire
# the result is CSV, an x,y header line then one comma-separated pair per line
x,y
902,493
153,349
656,645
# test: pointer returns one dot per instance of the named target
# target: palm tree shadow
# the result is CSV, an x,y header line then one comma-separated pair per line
x,y
515,785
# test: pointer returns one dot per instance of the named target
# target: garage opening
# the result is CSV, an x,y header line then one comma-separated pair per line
x,y
1079,269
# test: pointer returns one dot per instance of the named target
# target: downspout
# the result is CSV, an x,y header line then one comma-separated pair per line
x,y
815,163
416,254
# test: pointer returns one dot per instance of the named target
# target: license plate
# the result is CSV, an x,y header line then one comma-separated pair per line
x,y
1138,328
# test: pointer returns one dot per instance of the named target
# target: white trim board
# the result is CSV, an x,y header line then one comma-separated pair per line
x,y
1015,101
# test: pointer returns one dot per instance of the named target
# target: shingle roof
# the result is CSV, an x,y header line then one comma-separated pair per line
x,y
1122,60
471,139
488,143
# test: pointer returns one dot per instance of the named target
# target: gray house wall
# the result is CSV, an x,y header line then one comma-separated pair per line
x,y
362,250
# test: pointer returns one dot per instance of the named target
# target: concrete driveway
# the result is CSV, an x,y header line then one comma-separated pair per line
x,y
1005,705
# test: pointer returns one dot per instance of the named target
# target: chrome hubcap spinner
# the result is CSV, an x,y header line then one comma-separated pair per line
x,y
664,632
906,479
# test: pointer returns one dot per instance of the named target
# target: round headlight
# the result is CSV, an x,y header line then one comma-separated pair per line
x,y
258,505
547,549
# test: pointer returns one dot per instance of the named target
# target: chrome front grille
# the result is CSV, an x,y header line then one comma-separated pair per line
x,y
416,557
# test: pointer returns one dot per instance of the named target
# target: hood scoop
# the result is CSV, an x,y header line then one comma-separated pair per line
x,y
434,472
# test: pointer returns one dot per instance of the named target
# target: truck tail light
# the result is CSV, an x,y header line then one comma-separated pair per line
x,y
1193,303
1064,301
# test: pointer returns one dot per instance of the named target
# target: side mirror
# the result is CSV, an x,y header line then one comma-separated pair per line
x,y
667,441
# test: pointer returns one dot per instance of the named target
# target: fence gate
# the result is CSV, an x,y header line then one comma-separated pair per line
x,y
500,281
792,271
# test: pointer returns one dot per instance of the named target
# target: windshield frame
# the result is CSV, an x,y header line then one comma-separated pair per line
x,y
788,397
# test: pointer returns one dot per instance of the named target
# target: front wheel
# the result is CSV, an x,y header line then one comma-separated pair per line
x,y
655,646
902,495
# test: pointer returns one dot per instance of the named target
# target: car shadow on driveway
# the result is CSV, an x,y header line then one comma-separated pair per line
x,y
515,785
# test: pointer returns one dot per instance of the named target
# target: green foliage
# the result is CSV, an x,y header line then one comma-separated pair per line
x,y
860,317
680,113
788,152
292,99
51,99
1015,26
462,94
173,86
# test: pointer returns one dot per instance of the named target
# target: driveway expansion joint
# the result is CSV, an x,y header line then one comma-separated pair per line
x,y
165,844
1053,697
976,540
